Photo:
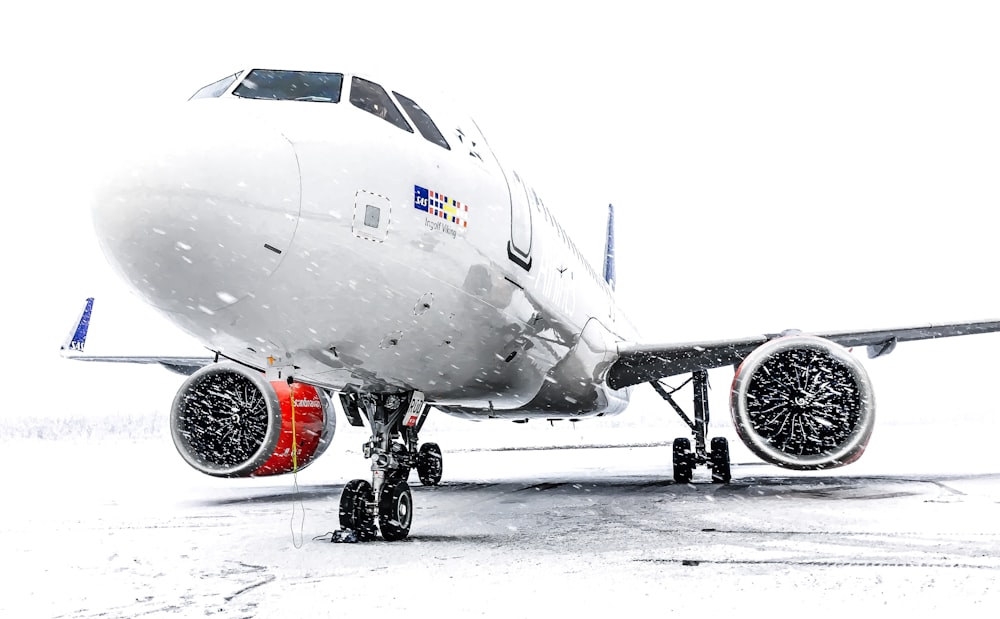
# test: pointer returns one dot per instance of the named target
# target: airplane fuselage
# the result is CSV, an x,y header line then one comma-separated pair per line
x,y
368,257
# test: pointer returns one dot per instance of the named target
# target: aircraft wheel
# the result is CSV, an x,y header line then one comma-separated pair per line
x,y
430,464
683,461
719,460
354,508
395,511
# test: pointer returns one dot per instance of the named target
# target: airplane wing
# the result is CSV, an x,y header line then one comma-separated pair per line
x,y
185,366
639,363
74,345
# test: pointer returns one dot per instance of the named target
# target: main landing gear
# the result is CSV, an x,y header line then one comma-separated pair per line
x,y
395,421
684,458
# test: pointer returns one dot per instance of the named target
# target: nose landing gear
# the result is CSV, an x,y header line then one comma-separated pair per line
x,y
395,420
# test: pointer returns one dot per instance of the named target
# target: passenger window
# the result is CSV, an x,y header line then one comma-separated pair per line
x,y
425,125
373,99
291,86
215,89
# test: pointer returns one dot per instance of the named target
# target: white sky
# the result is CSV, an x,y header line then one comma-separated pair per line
x,y
773,164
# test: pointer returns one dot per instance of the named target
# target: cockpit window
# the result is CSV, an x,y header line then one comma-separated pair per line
x,y
291,86
373,99
215,89
425,125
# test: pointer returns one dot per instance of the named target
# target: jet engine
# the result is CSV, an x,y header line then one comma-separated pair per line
x,y
229,421
803,402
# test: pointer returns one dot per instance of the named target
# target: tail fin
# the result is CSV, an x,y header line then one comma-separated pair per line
x,y
78,334
609,249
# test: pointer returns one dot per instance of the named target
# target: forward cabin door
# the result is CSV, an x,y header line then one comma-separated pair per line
x,y
470,139
519,246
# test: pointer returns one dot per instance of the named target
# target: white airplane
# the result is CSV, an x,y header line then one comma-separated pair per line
x,y
324,233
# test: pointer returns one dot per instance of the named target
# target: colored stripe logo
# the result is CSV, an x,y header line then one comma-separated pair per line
x,y
437,204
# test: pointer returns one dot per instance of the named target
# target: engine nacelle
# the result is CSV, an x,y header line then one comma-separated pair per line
x,y
803,402
229,421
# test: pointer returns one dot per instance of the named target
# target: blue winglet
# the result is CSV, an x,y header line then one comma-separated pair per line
x,y
78,334
609,249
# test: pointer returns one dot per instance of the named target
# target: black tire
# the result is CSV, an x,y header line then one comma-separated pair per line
x,y
683,461
430,464
354,502
395,511
719,459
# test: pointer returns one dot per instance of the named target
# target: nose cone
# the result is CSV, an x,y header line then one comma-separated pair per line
x,y
202,209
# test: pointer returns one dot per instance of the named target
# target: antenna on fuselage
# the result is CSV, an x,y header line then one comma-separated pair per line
x,y
609,249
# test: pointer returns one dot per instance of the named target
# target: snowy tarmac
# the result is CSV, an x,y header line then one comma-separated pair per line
x,y
119,528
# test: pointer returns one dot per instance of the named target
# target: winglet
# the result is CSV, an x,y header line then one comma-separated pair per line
x,y
77,337
609,249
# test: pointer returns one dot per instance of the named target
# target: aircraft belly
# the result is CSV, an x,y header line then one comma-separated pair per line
x,y
573,387
425,334
451,336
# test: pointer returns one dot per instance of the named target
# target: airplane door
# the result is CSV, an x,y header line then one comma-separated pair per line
x,y
519,246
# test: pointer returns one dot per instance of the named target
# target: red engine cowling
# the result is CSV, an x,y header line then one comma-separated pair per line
x,y
803,402
228,421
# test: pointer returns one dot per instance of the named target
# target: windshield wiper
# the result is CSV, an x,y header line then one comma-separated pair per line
x,y
314,98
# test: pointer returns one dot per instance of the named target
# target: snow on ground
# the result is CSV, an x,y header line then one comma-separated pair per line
x,y
118,526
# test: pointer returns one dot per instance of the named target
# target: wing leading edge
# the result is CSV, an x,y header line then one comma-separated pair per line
x,y
640,363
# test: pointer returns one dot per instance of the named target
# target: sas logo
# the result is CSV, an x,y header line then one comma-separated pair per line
x,y
441,206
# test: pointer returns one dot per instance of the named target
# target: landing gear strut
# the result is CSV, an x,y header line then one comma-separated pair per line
x,y
395,420
685,460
